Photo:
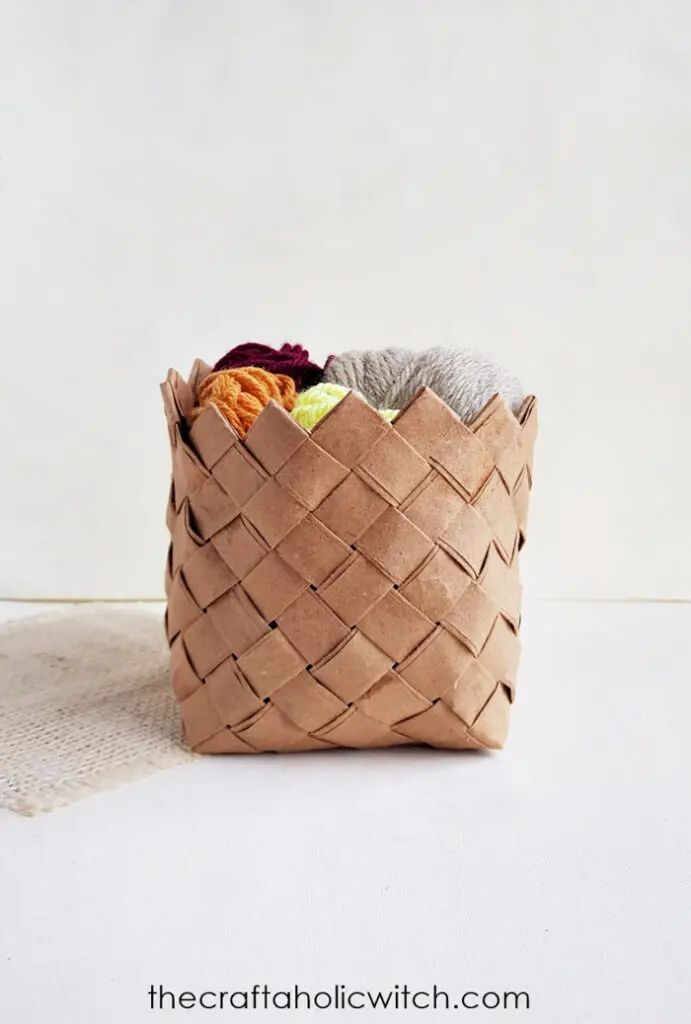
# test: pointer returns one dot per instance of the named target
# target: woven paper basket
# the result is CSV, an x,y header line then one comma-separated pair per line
x,y
356,586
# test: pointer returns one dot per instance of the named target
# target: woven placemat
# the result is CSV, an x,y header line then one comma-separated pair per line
x,y
85,704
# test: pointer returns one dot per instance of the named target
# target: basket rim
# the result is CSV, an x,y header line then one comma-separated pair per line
x,y
180,399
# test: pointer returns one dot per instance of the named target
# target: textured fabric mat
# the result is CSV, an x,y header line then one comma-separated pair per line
x,y
85,704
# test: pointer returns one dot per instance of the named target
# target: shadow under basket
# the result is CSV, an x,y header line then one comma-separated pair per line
x,y
354,586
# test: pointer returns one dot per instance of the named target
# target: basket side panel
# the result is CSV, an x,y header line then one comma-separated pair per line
x,y
356,586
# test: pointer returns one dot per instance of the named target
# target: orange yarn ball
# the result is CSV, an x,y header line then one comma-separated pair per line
x,y
240,394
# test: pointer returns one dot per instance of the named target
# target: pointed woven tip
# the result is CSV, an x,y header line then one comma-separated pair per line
x,y
199,371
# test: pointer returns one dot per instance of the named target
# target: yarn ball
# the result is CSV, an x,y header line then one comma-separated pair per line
x,y
312,405
293,360
464,379
240,394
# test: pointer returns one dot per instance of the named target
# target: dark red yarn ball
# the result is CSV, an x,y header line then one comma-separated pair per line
x,y
293,360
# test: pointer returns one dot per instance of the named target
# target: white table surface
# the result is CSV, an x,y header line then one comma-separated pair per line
x,y
557,866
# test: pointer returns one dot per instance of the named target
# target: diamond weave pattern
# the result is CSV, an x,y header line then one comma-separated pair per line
x,y
356,586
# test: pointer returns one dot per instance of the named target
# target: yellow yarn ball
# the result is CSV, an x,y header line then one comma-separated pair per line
x,y
312,405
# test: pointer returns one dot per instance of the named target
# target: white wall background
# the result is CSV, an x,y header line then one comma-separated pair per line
x,y
176,178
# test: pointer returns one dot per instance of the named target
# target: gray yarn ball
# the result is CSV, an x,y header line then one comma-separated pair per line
x,y
388,379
